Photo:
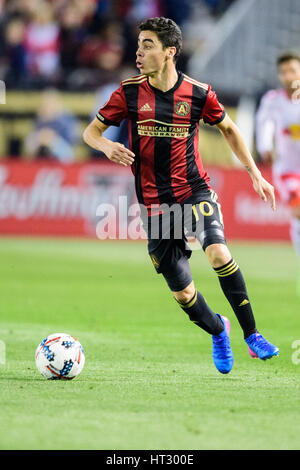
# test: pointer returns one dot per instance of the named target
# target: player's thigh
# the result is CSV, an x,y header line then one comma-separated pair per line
x,y
207,220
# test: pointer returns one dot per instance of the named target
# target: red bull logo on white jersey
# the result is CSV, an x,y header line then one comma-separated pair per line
x,y
293,131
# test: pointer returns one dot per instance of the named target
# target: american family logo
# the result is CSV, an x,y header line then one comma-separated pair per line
x,y
155,128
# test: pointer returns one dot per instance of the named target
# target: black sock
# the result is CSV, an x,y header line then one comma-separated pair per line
x,y
234,288
200,314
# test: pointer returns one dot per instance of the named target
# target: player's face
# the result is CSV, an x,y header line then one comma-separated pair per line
x,y
150,55
288,72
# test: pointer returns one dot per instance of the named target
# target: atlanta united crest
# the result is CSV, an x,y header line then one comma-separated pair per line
x,y
182,108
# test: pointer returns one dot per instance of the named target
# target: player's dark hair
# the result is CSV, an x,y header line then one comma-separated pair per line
x,y
286,57
168,32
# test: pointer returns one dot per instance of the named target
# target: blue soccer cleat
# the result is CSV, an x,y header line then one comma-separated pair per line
x,y
222,353
258,346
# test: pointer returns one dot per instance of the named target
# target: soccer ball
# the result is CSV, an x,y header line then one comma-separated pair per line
x,y
59,356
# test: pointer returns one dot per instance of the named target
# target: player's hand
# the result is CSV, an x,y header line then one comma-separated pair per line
x,y
118,153
262,187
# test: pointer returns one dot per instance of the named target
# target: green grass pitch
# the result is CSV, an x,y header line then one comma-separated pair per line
x,y
149,381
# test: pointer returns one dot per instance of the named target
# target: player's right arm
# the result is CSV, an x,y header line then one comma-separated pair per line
x,y
111,114
114,151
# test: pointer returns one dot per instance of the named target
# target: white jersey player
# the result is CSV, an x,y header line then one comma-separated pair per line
x,y
278,124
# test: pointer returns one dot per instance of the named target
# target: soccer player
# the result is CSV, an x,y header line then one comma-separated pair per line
x,y
163,107
279,116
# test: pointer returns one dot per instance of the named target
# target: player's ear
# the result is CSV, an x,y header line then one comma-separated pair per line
x,y
171,52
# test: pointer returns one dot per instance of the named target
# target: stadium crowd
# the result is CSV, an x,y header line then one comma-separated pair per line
x,y
80,46
75,44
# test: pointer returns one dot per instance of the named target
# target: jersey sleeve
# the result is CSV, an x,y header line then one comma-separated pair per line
x,y
213,111
114,110
265,126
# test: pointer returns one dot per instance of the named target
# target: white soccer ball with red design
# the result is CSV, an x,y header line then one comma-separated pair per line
x,y
59,356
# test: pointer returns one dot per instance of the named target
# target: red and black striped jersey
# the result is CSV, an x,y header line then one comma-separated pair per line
x,y
163,134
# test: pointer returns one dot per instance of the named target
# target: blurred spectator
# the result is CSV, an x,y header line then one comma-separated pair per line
x,y
104,11
102,55
56,130
110,41
14,52
217,7
42,43
178,10
72,34
141,9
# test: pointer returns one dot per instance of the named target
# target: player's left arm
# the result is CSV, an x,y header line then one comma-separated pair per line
x,y
236,141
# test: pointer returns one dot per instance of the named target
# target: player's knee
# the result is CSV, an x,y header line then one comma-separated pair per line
x,y
218,254
185,295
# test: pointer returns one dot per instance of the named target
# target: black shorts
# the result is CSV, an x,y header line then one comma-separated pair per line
x,y
167,235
